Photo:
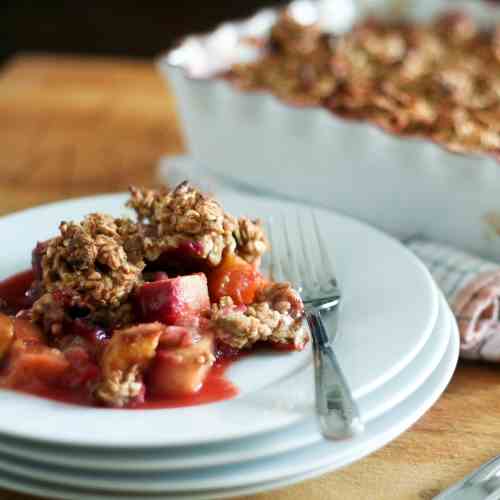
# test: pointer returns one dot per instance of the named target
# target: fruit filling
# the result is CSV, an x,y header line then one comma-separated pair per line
x,y
145,312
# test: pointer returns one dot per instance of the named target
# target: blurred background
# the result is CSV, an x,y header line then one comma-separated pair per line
x,y
125,27
83,108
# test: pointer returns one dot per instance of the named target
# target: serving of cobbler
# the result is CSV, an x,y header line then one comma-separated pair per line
x,y
144,312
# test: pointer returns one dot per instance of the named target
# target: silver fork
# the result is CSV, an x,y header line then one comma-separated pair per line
x,y
315,280
483,483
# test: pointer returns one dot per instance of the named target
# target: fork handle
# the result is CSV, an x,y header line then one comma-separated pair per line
x,y
338,413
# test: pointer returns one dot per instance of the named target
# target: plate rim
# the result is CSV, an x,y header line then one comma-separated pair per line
x,y
411,417
59,457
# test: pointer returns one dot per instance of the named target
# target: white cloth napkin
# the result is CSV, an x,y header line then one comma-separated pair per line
x,y
472,287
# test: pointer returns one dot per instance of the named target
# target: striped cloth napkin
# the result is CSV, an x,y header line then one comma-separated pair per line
x,y
472,287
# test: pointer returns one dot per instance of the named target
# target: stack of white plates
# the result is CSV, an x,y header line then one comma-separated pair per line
x,y
398,345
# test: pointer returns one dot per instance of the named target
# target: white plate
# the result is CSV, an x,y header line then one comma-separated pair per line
x,y
311,462
198,479
388,313
232,452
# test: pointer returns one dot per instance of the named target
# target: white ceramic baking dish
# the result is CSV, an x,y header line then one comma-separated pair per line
x,y
404,186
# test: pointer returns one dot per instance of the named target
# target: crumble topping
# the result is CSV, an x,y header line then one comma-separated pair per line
x,y
275,316
183,215
121,387
50,313
290,35
114,316
296,66
124,360
92,265
250,239
90,259
282,298
440,80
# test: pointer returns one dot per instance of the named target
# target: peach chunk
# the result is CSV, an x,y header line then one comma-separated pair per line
x,y
6,334
36,367
181,369
124,359
27,333
31,362
173,301
135,345
235,278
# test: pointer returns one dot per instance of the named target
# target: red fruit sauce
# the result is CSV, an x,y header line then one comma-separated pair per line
x,y
15,293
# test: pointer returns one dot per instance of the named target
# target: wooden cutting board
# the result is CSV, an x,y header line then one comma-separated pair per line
x,y
72,126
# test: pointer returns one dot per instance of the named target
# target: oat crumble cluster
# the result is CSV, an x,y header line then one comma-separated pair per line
x,y
180,216
116,300
251,242
185,215
91,265
439,80
276,316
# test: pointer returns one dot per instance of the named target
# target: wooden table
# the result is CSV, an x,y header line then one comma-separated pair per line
x,y
74,126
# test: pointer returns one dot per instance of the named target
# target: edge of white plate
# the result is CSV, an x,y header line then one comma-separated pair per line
x,y
258,448
441,378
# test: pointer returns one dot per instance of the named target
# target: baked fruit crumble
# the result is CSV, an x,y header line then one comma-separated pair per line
x,y
135,313
439,80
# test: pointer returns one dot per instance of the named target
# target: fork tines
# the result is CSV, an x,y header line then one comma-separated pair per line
x,y
299,255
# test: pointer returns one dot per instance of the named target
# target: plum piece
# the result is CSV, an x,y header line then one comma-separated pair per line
x,y
181,370
173,301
